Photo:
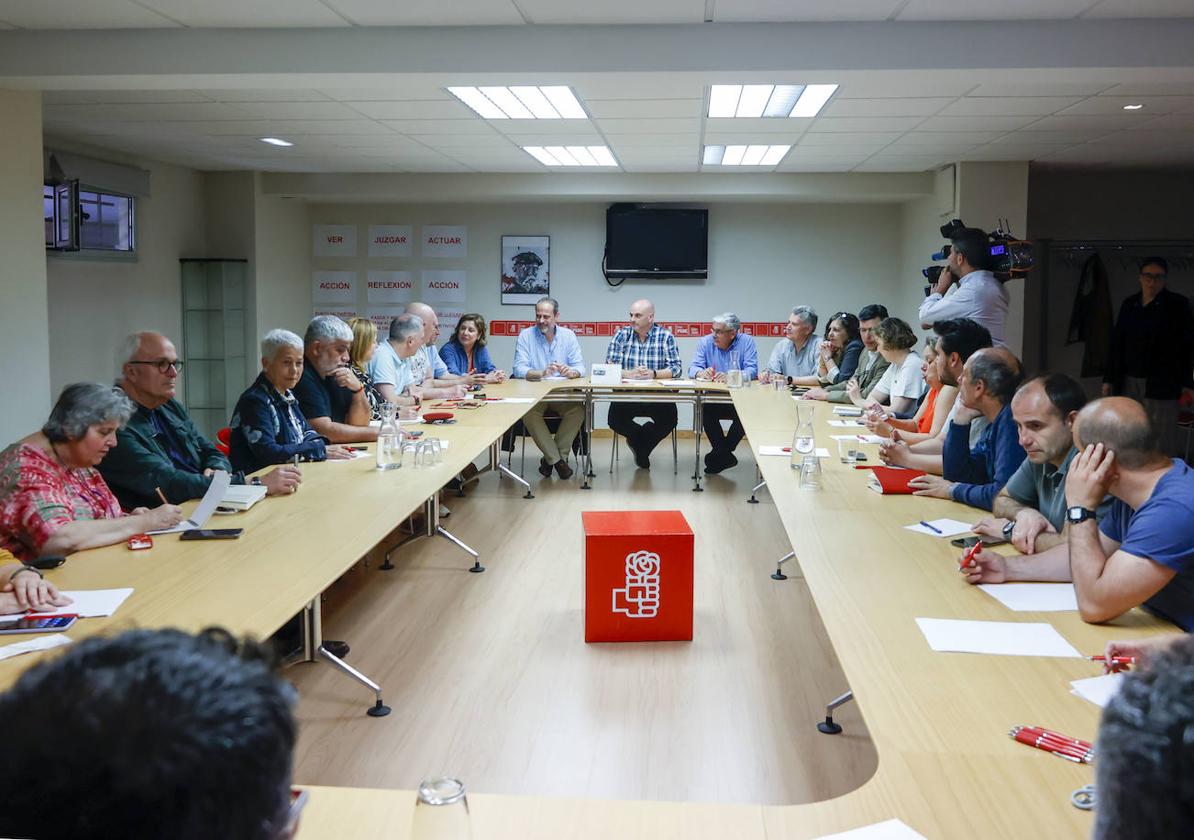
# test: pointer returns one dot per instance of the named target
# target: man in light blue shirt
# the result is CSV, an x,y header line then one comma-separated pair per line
x,y
390,367
798,354
726,348
549,351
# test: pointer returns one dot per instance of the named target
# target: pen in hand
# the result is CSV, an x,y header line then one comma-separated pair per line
x,y
161,495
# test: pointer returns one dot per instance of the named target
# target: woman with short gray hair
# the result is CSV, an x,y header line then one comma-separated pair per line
x,y
52,499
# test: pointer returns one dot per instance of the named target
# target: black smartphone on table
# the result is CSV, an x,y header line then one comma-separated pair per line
x,y
212,534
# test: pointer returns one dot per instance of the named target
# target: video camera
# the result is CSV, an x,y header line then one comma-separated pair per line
x,y
1006,257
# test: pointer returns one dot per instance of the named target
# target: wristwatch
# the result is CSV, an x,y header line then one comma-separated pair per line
x,y
1078,514
1007,530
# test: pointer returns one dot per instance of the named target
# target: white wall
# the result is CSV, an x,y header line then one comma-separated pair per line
x,y
94,303
24,345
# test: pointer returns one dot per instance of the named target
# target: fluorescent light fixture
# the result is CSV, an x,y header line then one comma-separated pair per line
x,y
733,155
753,100
276,141
750,101
723,100
782,100
1133,107
521,102
774,155
812,100
479,102
572,155
565,102
753,155
508,102
536,102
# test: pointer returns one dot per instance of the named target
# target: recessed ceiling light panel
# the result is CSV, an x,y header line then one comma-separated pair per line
x,y
521,102
585,156
276,141
753,101
752,155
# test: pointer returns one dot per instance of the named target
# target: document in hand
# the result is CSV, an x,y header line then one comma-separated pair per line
x,y
220,482
887,830
87,603
1005,638
892,480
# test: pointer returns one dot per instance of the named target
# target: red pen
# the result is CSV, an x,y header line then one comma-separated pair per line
x,y
1115,660
51,615
978,546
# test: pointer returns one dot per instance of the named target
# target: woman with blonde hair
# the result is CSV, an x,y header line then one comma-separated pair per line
x,y
364,342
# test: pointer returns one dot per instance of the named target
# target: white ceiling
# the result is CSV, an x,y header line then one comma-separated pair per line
x,y
885,120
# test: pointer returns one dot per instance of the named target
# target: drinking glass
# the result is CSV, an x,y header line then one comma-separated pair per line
x,y
810,473
847,451
441,811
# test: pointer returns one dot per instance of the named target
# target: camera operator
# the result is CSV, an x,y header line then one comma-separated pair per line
x,y
979,295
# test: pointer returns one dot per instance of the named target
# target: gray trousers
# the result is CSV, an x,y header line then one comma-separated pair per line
x,y
1161,413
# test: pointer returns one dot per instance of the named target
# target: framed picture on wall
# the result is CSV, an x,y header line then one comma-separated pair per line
x,y
526,269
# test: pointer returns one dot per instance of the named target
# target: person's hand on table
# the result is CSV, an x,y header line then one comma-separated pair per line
x,y
1030,524
283,480
209,472
894,452
706,374
765,376
931,485
161,517
454,392
815,394
408,412
1090,474
719,376
1142,650
570,373
495,376
336,452
29,591
984,567
853,390
640,372
990,526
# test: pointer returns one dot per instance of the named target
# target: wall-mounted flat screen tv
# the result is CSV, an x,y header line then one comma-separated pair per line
x,y
656,241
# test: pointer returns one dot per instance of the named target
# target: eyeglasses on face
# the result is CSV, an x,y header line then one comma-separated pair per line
x,y
163,365
1152,275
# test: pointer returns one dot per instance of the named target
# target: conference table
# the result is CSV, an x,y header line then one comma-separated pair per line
x,y
939,721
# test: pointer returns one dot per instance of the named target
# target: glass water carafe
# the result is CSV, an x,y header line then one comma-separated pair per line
x,y
803,442
389,439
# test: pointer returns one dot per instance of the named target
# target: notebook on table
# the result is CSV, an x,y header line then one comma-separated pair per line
x,y
242,496
892,481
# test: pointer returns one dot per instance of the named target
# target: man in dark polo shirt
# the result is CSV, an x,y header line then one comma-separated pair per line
x,y
331,398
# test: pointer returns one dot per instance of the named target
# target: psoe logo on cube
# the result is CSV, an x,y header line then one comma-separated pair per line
x,y
640,598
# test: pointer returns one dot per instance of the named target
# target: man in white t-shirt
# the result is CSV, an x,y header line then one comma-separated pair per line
x,y
390,366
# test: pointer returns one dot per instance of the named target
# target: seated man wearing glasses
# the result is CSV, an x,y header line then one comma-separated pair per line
x,y
159,452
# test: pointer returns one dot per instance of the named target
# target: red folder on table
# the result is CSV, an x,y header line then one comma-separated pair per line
x,y
892,481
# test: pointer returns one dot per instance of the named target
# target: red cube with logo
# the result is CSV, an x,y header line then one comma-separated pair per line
x,y
638,576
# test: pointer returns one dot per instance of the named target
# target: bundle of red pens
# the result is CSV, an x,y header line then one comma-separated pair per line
x,y
1071,749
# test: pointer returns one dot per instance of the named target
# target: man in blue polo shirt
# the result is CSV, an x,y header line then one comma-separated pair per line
x,y
1142,552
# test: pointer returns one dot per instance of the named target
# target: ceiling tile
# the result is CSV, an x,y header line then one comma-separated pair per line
x,y
925,83
996,106
1064,138
942,149
1147,88
296,111
900,107
418,109
1141,9
623,141
648,126
1153,105
643,108
940,123
768,11
246,13
282,128
94,14
900,164
847,142
918,136
865,124
533,127
818,166
592,139
787,126
1007,153
662,167
613,11
821,153
1171,122
164,112
985,10
639,86
274,95
121,97
399,90
428,12
1038,88
1109,122
440,126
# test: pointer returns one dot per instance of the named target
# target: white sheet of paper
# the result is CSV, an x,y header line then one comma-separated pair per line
x,y
555,377
523,400
355,454
1098,690
87,603
888,830
44,641
786,450
947,527
677,381
847,424
207,505
1005,638
1033,597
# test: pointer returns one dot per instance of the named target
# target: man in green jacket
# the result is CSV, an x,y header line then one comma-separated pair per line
x,y
871,366
160,448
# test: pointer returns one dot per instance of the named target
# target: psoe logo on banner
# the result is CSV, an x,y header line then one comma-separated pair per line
x,y
390,240
445,241
640,598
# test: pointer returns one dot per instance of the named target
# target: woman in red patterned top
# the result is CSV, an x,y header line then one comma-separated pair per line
x,y
52,500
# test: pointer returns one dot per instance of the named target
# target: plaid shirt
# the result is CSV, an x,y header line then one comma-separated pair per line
x,y
657,352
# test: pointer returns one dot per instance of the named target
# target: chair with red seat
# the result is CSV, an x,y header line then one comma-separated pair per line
x,y
224,440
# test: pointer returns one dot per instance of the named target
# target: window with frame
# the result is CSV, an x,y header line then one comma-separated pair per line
x,y
106,221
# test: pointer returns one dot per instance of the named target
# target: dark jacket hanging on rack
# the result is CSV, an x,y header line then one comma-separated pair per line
x,y
1090,318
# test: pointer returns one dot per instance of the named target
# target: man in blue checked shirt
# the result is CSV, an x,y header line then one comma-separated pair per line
x,y
724,349
645,350
549,351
